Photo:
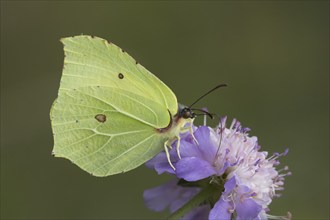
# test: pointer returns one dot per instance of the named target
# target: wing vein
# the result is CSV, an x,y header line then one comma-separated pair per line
x,y
125,152
120,111
104,145
76,142
125,67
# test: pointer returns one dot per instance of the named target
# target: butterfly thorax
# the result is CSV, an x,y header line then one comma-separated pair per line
x,y
178,122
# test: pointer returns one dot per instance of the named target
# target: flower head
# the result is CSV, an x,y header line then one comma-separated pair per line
x,y
230,160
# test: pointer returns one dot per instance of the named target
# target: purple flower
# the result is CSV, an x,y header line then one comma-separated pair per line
x,y
224,158
170,196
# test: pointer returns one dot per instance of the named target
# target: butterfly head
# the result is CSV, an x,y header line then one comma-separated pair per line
x,y
185,112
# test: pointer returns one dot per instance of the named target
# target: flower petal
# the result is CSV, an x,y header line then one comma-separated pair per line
x,y
207,147
221,210
183,196
160,164
188,149
198,213
230,185
167,192
248,209
193,168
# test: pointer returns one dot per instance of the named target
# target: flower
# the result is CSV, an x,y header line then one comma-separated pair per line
x,y
227,159
171,196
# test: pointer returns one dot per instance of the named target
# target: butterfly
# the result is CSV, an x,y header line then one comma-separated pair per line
x,y
111,114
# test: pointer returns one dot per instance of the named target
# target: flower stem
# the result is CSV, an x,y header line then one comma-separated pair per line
x,y
201,197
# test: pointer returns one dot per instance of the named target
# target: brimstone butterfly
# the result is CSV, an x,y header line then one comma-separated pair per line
x,y
111,114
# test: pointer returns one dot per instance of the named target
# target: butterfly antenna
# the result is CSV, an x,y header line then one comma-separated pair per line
x,y
211,115
215,88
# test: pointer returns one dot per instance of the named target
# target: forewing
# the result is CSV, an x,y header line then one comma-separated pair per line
x,y
97,129
92,61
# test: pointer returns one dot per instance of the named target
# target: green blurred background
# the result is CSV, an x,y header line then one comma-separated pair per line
x,y
274,56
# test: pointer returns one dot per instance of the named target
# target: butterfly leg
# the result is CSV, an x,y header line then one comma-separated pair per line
x,y
192,132
190,129
168,154
178,146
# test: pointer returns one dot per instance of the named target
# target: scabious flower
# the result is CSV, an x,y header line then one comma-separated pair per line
x,y
228,160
